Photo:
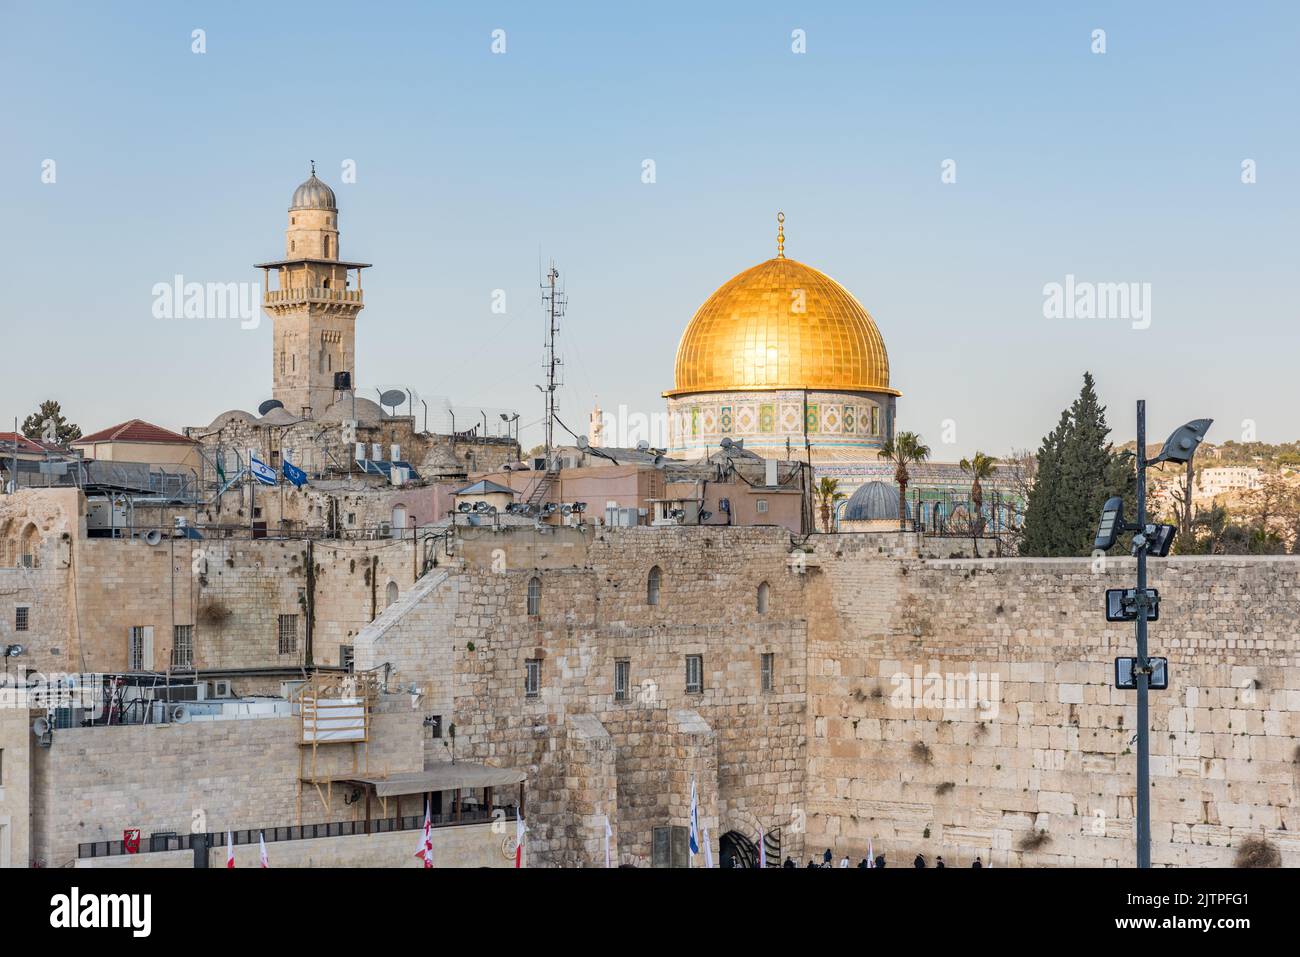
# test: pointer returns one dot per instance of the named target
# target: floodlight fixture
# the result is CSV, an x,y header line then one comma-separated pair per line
x,y
1112,523
1181,446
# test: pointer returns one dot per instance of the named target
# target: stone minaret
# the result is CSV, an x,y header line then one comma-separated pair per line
x,y
315,306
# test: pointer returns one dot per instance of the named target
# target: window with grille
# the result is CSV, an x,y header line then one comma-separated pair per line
x,y
183,646
622,678
533,678
139,650
346,656
760,506
694,674
534,596
765,671
22,618
288,636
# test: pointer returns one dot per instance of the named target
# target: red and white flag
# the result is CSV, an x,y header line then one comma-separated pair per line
x,y
262,847
230,850
425,853
520,829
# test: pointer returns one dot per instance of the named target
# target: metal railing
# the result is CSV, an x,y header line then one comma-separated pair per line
x,y
171,841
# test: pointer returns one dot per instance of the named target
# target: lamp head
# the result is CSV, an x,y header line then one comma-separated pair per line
x,y
1181,446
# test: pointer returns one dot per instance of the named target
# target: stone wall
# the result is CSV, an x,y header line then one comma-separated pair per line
x,y
594,611
1049,748
91,783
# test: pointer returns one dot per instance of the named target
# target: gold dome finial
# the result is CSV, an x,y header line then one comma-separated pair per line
x,y
780,235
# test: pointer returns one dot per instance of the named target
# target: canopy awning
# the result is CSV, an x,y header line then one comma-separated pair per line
x,y
441,777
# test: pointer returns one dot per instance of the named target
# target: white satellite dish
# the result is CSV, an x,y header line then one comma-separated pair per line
x,y
583,442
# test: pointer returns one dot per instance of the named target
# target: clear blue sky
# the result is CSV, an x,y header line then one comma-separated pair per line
x,y
1117,167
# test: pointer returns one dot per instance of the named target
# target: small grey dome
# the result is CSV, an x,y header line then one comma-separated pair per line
x,y
313,194
873,502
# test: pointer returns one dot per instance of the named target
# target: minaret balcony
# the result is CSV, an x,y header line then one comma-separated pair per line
x,y
311,294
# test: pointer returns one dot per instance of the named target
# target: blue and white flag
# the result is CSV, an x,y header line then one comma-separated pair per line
x,y
695,822
294,474
261,471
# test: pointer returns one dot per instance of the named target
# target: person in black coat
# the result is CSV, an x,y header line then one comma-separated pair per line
x,y
812,862
789,862
919,862
863,863
939,862
828,857
880,860
977,863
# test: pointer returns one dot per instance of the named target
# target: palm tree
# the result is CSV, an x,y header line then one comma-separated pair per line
x,y
828,494
904,448
979,466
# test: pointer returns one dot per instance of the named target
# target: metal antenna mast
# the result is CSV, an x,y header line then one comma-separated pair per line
x,y
553,301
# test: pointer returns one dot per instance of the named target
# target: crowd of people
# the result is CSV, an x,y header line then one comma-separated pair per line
x,y
828,859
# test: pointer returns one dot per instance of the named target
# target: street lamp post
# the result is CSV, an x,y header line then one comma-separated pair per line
x,y
1139,605
1141,671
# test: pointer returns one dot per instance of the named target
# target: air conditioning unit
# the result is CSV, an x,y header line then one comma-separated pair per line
x,y
221,688
191,692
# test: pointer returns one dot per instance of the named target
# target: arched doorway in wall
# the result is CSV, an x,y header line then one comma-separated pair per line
x,y
736,850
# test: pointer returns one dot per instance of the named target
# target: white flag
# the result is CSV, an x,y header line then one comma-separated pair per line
x,y
708,850
262,843
608,834
425,853
871,853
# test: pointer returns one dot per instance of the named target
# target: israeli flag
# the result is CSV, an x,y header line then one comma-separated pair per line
x,y
695,822
294,474
261,471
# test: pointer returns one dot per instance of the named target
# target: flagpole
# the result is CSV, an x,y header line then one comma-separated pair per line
x,y
252,494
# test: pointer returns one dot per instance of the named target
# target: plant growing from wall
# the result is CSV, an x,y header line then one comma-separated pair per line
x,y
1257,852
1034,840
213,613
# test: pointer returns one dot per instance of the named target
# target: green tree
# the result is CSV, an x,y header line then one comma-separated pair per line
x,y
978,466
828,494
904,449
1078,469
35,425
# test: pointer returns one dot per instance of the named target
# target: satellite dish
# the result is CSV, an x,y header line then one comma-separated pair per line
x,y
180,714
705,516
462,506
726,443
643,446
392,398
152,537
584,442
41,727
268,405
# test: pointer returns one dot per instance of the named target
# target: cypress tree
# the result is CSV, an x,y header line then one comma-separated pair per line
x,y
1078,469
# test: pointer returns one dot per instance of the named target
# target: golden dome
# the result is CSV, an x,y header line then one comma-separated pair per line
x,y
781,325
